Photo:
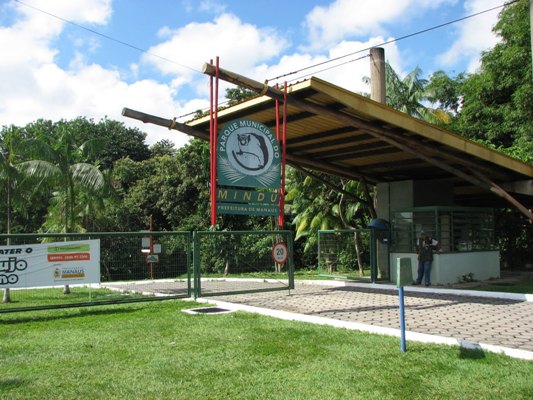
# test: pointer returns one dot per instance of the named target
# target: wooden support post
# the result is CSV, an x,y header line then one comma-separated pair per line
x,y
377,75
165,122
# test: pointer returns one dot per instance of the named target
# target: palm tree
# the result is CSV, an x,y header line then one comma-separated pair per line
x,y
62,160
409,94
18,188
9,155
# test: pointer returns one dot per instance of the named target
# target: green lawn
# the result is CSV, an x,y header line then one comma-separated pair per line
x,y
511,287
55,296
155,351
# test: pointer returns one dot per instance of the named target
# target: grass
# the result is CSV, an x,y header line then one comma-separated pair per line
x,y
54,296
154,351
511,287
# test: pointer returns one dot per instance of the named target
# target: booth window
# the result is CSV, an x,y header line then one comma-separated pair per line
x,y
458,229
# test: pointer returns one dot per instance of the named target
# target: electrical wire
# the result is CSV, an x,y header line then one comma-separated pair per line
x,y
326,69
131,46
397,39
280,76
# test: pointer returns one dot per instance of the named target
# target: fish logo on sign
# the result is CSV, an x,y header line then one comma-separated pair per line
x,y
248,155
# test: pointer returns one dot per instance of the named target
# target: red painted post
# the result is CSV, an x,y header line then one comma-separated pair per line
x,y
215,137
211,151
283,159
278,137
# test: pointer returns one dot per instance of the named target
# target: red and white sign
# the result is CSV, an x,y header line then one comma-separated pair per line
x,y
280,253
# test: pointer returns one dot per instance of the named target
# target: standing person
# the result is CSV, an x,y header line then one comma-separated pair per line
x,y
424,248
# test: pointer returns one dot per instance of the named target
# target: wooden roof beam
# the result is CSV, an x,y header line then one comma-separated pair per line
x,y
172,124
409,146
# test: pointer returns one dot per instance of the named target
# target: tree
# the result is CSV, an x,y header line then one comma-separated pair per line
x,y
446,92
18,189
174,189
9,153
316,206
410,93
163,148
498,99
63,161
238,94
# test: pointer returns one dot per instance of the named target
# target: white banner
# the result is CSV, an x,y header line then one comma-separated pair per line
x,y
50,264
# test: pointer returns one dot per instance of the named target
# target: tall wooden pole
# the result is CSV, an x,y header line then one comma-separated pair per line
x,y
377,75
378,93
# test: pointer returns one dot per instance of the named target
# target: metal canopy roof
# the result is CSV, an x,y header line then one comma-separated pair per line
x,y
361,138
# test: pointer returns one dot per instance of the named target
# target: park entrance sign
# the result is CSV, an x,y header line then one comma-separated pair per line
x,y
248,156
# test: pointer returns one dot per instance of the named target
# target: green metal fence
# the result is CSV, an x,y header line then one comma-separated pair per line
x,y
231,262
125,273
347,254
144,266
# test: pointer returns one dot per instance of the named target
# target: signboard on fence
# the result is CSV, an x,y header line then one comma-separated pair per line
x,y
50,264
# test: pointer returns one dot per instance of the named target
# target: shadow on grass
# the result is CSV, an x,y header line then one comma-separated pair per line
x,y
70,313
6,384
471,354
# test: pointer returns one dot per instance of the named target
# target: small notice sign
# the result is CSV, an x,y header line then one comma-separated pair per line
x,y
152,258
280,253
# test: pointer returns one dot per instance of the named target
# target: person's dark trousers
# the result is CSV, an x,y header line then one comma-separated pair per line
x,y
424,270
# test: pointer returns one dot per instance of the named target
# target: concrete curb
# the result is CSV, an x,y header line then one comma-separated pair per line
x,y
416,289
413,336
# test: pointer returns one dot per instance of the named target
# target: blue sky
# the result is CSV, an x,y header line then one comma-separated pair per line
x,y
55,70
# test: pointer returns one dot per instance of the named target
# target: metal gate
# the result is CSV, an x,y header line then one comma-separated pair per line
x,y
231,262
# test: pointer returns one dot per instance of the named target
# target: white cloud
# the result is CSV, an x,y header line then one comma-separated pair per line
x,y
355,18
240,47
42,24
212,6
349,76
36,87
474,35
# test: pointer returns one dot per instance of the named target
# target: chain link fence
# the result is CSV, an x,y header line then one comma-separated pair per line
x,y
127,271
106,268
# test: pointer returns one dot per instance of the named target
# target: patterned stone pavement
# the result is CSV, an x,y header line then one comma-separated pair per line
x,y
493,321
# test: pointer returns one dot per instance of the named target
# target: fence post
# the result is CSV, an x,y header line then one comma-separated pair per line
x,y
190,265
196,264
291,259
373,256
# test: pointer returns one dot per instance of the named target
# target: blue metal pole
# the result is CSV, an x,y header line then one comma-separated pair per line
x,y
402,321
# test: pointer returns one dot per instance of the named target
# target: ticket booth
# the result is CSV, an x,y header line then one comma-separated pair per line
x,y
468,248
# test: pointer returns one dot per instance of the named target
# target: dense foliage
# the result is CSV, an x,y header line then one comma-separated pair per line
x,y
82,175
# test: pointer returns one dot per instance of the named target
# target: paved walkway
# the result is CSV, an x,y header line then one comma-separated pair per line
x,y
495,322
